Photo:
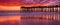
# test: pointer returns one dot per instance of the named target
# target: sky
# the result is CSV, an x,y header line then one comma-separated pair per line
x,y
26,2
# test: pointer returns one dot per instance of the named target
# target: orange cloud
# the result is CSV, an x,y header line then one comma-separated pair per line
x,y
9,7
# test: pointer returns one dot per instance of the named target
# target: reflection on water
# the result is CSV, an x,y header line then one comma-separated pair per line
x,y
31,19
10,20
41,19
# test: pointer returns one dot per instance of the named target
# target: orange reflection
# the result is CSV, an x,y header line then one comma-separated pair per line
x,y
10,18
